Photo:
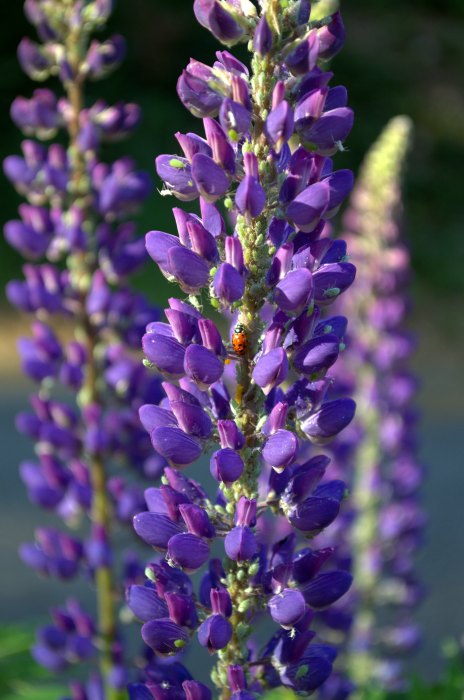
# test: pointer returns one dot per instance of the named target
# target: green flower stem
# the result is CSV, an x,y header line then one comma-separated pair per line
x,y
82,268
364,536
249,399
376,203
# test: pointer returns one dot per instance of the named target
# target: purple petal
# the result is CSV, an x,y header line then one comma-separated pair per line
x,y
280,449
164,636
210,178
317,355
190,270
271,370
175,446
314,514
226,465
331,419
145,603
187,551
250,197
287,607
327,588
240,544
306,210
155,529
165,353
229,285
293,292
202,366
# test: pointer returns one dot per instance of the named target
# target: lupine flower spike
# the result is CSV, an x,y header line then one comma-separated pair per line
x,y
257,250
75,232
384,525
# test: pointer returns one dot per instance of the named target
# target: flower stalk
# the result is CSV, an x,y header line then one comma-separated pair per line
x,y
76,232
269,136
386,519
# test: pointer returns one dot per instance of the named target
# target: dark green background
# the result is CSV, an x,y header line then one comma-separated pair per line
x,y
400,57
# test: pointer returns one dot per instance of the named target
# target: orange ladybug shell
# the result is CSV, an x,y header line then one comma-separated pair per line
x,y
239,340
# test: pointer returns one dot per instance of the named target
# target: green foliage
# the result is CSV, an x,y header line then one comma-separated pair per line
x,y
451,687
20,676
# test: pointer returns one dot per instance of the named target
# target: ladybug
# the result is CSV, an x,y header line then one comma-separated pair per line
x,y
239,340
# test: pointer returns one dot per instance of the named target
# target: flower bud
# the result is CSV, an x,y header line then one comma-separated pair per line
x,y
197,520
245,513
303,58
331,37
229,435
219,20
104,57
221,602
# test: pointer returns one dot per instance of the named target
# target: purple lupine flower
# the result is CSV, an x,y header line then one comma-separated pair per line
x,y
75,230
253,404
381,532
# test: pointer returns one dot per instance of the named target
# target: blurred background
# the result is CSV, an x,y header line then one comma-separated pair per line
x,y
400,58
